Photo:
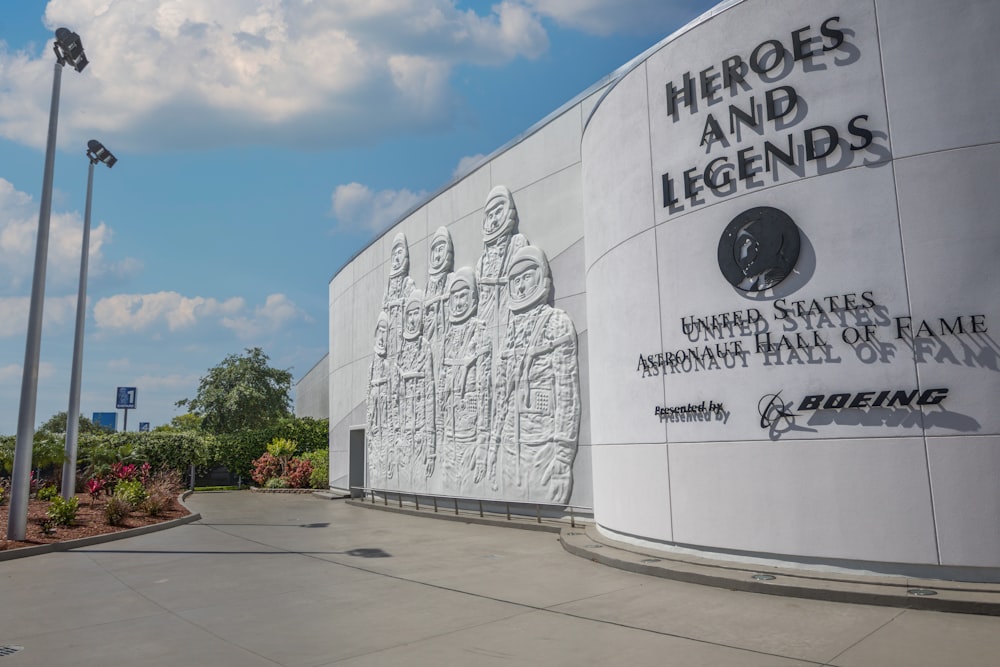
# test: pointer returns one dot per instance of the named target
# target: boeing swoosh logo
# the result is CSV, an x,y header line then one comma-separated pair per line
x,y
774,412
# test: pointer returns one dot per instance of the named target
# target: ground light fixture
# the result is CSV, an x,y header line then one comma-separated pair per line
x,y
69,50
96,152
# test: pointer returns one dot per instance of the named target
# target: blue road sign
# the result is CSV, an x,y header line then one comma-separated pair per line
x,y
106,420
144,426
126,398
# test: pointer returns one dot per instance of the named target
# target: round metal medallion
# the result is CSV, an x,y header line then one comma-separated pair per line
x,y
759,248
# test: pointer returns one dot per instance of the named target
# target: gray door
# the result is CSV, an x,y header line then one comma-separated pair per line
x,y
357,466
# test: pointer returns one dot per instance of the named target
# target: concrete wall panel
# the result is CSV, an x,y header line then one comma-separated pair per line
x,y
939,60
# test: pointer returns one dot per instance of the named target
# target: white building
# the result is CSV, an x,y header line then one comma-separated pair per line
x,y
770,325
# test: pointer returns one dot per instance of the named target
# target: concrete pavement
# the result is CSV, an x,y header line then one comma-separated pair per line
x,y
306,582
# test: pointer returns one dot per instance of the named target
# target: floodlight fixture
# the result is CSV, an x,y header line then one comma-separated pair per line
x,y
98,153
69,49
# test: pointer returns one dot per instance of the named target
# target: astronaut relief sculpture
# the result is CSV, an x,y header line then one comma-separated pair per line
x,y
474,387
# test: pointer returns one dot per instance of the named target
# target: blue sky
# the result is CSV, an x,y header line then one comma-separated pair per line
x,y
261,143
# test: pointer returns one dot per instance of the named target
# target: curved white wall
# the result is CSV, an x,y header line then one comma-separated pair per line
x,y
898,225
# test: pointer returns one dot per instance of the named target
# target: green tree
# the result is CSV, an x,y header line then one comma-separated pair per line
x,y
186,422
57,424
243,392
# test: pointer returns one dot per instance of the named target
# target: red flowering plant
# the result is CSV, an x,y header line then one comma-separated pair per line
x,y
94,487
266,467
298,473
124,471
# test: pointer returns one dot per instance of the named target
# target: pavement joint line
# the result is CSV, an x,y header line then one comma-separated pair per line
x,y
882,590
178,615
869,634
529,607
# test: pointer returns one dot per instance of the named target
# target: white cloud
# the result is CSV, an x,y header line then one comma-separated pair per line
x,y
119,364
19,234
358,206
606,17
171,311
56,311
467,164
10,374
277,312
295,71
141,312
167,382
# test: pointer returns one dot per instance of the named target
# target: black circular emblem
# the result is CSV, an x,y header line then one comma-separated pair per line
x,y
759,248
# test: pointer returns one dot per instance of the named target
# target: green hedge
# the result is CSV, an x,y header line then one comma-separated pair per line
x,y
175,449
237,451
160,449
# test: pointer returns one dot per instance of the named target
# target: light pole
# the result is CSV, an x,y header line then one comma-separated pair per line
x,y
68,49
97,153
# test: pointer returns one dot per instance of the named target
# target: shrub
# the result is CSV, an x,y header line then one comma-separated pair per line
x,y
176,451
46,451
94,487
47,492
131,491
276,483
63,512
238,450
47,526
161,489
156,502
116,510
282,449
168,479
320,460
297,473
265,468
122,471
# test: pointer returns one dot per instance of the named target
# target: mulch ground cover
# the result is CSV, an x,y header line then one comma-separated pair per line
x,y
90,521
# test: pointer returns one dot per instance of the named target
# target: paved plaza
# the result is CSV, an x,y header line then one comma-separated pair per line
x,y
303,581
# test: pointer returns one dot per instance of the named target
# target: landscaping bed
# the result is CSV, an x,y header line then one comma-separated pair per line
x,y
90,521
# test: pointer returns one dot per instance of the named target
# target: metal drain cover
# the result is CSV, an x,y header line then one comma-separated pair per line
x,y
10,650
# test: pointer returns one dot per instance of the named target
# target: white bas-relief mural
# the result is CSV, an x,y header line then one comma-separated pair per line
x,y
412,458
464,391
538,390
500,242
440,259
399,288
380,410
474,388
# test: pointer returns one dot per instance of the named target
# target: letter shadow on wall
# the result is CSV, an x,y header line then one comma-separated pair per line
x,y
985,354
904,417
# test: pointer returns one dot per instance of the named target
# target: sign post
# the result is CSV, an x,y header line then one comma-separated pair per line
x,y
125,401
